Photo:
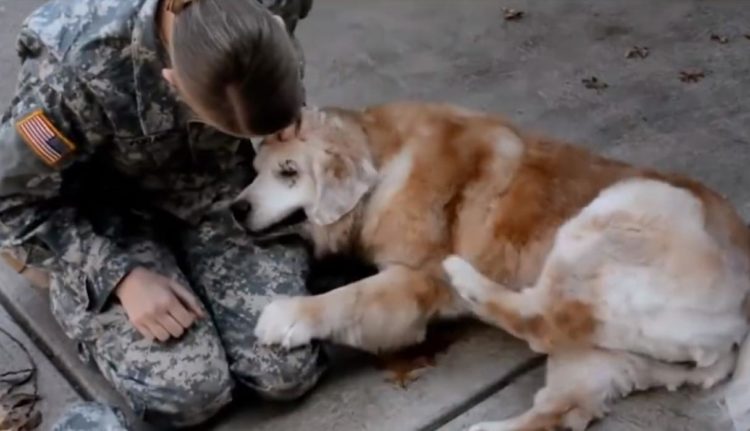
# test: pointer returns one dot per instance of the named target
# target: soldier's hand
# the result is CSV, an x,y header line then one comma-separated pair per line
x,y
159,308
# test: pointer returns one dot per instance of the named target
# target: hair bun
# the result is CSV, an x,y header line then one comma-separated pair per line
x,y
177,6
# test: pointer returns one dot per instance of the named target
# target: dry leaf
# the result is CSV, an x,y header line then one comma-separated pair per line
x,y
637,52
512,14
593,83
403,371
721,39
407,365
691,75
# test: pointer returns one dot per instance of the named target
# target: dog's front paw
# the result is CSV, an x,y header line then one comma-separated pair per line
x,y
283,322
465,279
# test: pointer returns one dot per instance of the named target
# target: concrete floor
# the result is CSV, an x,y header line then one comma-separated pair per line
x,y
362,52
531,70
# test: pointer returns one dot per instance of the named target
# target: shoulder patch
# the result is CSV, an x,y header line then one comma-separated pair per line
x,y
44,139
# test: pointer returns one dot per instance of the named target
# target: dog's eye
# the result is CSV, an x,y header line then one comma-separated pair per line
x,y
288,173
287,169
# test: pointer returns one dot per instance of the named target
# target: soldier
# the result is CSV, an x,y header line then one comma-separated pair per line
x,y
125,141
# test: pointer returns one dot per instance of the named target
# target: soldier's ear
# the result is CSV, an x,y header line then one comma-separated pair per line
x,y
168,75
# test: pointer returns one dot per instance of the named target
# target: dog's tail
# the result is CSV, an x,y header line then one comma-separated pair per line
x,y
737,397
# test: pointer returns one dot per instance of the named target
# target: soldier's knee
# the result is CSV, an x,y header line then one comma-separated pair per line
x,y
284,387
187,395
284,376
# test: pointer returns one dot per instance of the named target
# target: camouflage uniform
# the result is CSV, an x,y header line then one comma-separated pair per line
x,y
147,187
91,417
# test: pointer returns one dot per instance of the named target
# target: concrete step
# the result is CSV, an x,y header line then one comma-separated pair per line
x,y
29,307
55,393
359,397
688,409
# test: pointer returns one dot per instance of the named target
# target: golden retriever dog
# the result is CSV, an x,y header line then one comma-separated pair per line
x,y
625,277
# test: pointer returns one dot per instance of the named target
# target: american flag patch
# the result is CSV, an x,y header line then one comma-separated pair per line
x,y
43,138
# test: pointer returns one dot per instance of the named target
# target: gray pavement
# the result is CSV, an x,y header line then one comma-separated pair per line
x,y
532,70
55,392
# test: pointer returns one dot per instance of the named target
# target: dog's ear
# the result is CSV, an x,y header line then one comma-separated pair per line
x,y
340,182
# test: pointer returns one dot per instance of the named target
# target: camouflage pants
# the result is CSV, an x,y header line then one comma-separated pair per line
x,y
184,382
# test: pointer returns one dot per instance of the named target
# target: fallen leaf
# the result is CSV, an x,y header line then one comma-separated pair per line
x,y
692,75
512,14
402,372
637,52
721,39
407,365
593,83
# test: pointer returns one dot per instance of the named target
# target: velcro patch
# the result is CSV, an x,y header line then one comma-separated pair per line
x,y
44,139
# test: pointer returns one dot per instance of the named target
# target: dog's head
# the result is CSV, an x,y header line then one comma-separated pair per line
x,y
324,174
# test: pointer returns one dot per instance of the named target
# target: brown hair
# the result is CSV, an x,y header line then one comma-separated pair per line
x,y
234,59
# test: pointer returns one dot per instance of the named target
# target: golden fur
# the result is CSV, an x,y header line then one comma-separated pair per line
x,y
455,182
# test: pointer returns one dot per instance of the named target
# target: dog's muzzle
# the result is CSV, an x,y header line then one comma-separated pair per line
x,y
240,211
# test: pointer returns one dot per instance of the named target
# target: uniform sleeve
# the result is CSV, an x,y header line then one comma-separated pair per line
x,y
52,126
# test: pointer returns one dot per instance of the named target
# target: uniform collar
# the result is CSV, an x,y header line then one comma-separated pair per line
x,y
158,108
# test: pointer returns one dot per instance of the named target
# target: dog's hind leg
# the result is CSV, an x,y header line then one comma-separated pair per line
x,y
580,384
577,386
672,376
386,311
519,313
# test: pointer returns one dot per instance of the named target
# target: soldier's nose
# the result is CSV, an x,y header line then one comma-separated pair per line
x,y
240,210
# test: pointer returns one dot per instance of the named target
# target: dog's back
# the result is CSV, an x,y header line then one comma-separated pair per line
x,y
459,181
465,182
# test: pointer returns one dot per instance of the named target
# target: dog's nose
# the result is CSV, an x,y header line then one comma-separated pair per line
x,y
240,210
